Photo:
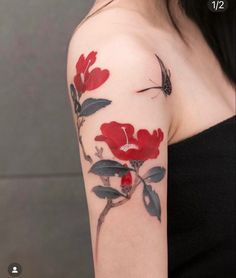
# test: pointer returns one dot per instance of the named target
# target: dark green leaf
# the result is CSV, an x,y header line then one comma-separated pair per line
x,y
152,204
109,168
106,192
73,91
155,174
91,105
77,106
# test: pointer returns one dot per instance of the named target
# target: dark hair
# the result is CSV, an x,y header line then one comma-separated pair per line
x,y
217,28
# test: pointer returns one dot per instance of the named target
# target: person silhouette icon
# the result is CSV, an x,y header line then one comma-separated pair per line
x,y
14,269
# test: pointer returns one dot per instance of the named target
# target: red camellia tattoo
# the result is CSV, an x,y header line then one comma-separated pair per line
x,y
86,80
121,141
134,148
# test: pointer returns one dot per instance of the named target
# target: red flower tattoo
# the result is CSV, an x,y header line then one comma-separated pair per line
x,y
126,181
121,141
86,80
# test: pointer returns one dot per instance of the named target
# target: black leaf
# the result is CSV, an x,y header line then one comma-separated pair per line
x,y
155,174
109,168
106,192
77,106
73,92
91,105
153,205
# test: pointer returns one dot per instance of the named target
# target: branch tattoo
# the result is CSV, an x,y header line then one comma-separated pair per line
x,y
131,148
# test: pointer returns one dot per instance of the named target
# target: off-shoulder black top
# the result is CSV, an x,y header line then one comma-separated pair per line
x,y
201,204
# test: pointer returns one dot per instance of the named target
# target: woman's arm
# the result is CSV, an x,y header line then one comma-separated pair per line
x,y
119,96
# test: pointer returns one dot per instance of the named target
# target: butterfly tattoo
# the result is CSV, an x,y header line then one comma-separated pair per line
x,y
166,86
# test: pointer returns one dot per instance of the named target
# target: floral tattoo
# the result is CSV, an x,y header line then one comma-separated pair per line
x,y
129,147
133,149
87,80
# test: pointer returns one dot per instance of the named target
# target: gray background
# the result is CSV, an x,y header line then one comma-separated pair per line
x,y
44,222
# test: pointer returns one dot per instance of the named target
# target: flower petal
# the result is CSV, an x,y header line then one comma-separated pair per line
x,y
81,64
91,58
79,85
100,138
96,78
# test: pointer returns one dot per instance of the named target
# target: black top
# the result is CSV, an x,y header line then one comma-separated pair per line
x,y
201,204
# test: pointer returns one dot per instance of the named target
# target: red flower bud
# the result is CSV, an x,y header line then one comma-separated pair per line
x,y
126,182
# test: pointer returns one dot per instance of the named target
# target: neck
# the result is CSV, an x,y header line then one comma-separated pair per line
x,y
154,11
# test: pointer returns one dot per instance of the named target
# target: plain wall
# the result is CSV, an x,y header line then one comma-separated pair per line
x,y
44,222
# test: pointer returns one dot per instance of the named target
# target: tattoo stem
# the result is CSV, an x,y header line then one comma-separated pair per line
x,y
105,180
79,125
99,224
110,205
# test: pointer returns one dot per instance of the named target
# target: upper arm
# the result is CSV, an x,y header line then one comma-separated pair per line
x,y
123,139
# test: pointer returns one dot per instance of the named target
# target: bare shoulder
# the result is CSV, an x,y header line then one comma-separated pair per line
x,y
109,30
113,28
110,20
137,73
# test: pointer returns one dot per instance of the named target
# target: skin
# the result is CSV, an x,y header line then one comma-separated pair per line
x,y
126,36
